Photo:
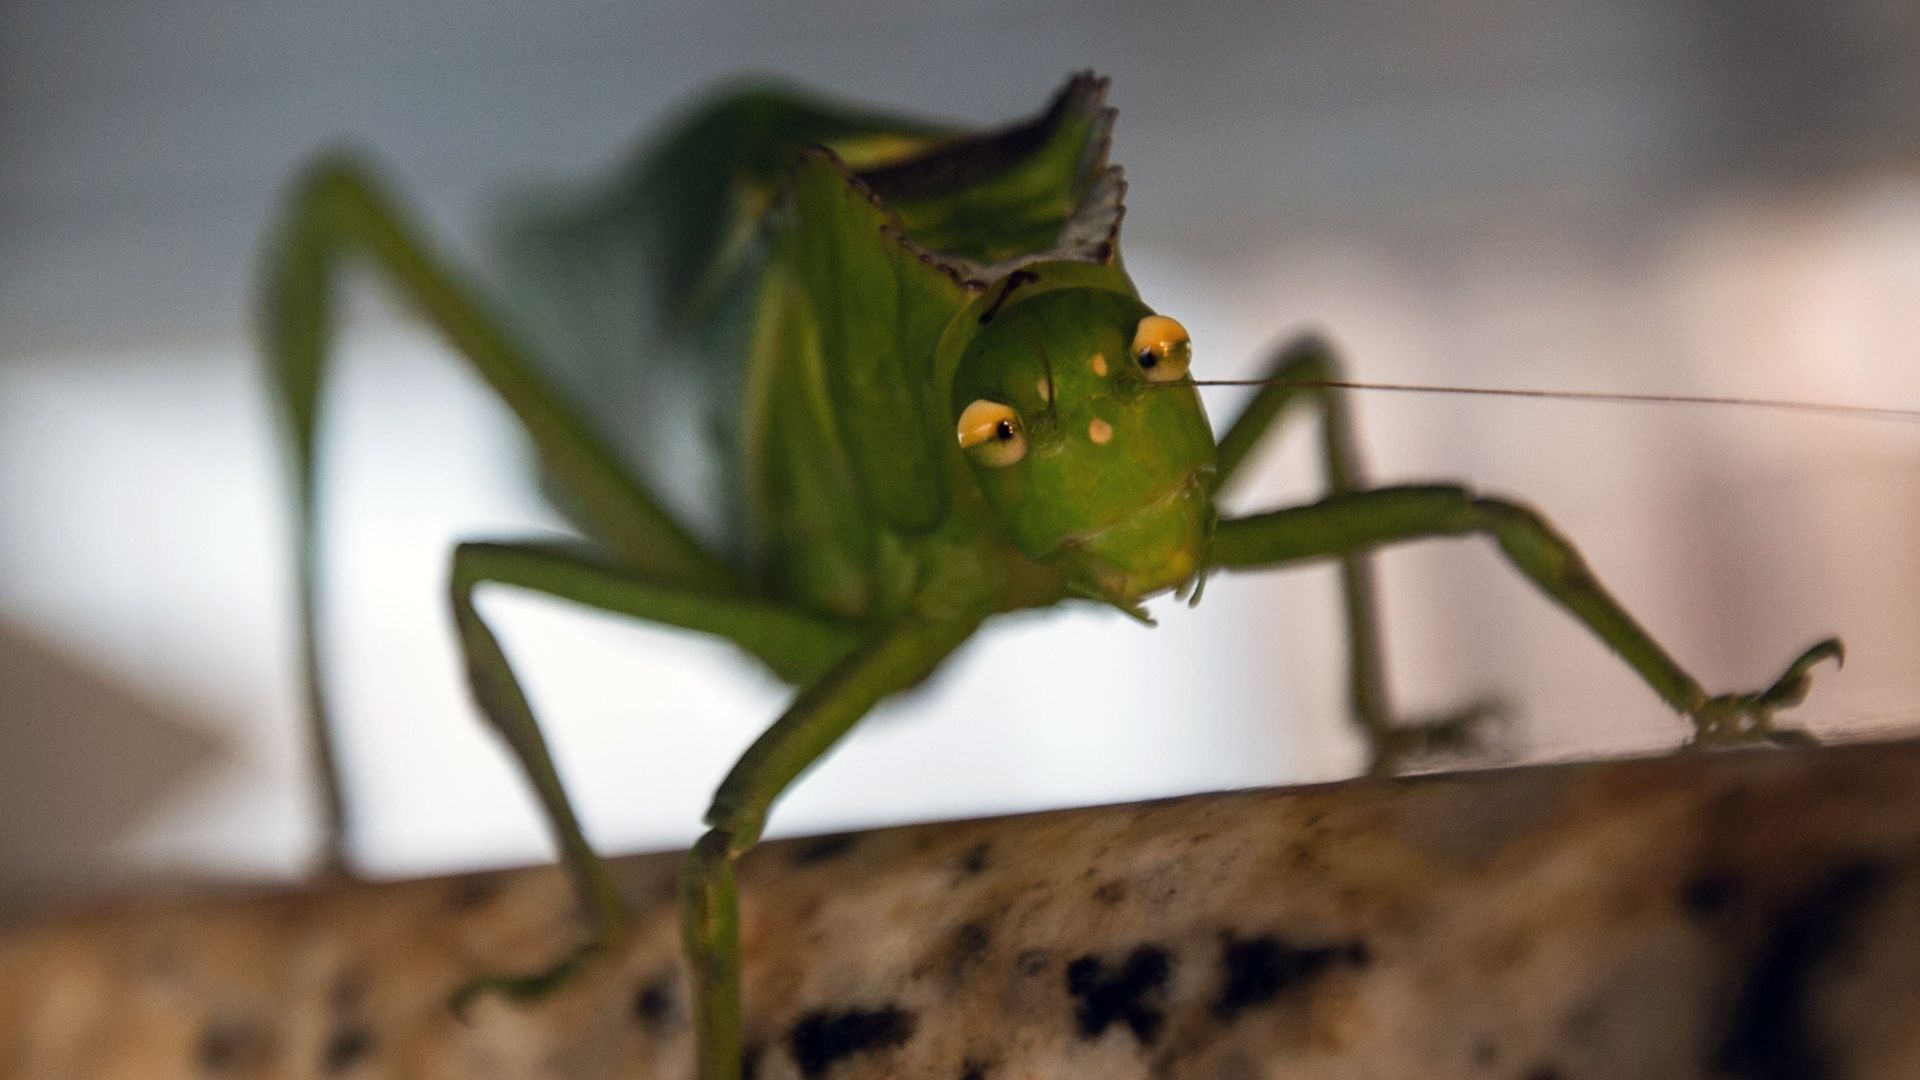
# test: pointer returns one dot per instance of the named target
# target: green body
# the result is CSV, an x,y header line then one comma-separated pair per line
x,y
810,305
836,387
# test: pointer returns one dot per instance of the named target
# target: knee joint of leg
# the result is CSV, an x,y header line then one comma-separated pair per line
x,y
715,846
1529,540
1314,360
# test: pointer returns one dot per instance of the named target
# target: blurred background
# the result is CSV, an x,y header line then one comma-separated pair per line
x,y
1701,197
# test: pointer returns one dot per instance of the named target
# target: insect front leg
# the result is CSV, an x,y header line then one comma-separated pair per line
x,y
826,710
1300,372
797,646
1361,521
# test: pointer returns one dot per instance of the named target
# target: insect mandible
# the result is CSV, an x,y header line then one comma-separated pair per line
x,y
928,394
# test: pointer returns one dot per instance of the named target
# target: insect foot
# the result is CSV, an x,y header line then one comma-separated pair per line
x,y
1398,747
529,988
1738,719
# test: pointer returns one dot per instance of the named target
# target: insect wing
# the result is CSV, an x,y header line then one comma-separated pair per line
x,y
637,291
879,305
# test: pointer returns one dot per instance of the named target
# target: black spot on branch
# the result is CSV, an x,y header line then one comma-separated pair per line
x,y
1773,1036
973,1069
822,1038
653,1004
1111,893
231,1044
347,1047
1257,970
1708,895
973,861
1033,961
824,848
970,944
1132,994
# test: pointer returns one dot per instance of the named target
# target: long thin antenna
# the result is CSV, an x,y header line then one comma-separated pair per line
x,y
1866,412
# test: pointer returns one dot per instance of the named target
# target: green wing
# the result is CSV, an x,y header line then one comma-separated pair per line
x,y
878,306
637,291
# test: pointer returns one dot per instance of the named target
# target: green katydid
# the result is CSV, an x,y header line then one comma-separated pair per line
x,y
932,394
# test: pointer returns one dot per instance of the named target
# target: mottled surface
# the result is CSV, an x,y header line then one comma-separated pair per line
x,y
1745,916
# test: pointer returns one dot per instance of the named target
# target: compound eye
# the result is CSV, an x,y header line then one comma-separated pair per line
x,y
1160,345
990,432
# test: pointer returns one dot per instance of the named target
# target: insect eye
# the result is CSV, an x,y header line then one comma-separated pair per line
x,y
990,431
1161,346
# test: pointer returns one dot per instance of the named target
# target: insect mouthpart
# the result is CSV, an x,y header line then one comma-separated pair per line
x,y
1155,548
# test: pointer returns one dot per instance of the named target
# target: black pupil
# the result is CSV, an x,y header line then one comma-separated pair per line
x,y
1149,359
1003,430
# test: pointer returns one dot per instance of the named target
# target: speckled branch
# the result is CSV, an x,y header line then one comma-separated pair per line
x,y
1742,915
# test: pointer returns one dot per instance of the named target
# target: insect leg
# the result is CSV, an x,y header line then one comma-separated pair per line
x,y
1301,370
826,710
794,644
1360,521
336,210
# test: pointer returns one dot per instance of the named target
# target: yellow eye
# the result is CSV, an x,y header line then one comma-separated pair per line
x,y
990,431
1160,345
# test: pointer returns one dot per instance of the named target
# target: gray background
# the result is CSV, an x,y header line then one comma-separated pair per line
x,y
1691,197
